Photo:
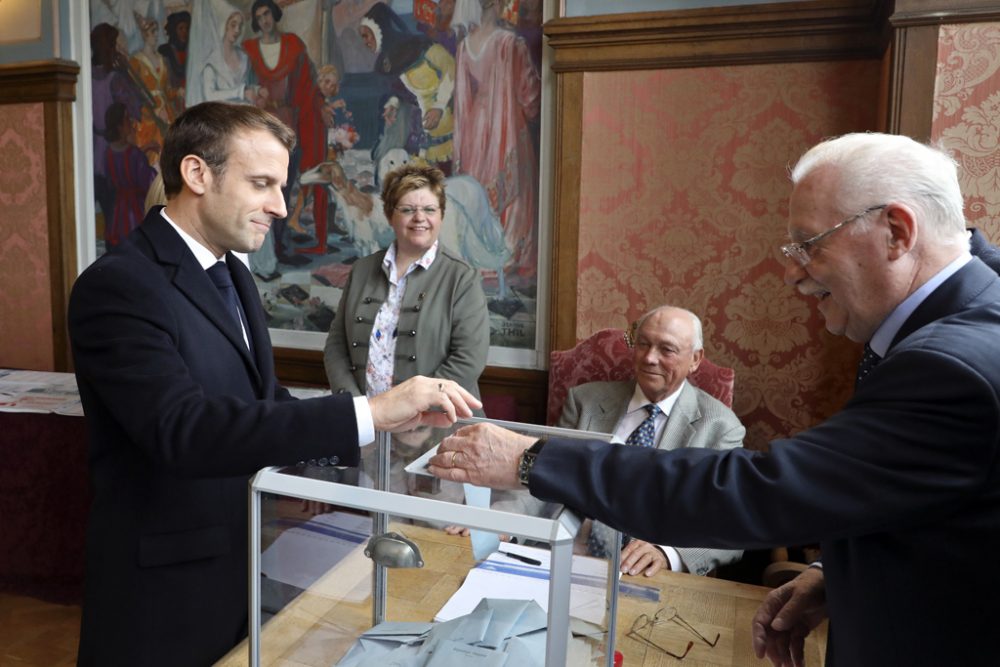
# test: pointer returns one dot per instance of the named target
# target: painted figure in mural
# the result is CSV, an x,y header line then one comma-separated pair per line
x,y
415,308
497,93
110,83
285,85
426,74
435,21
175,51
128,172
340,136
161,102
219,61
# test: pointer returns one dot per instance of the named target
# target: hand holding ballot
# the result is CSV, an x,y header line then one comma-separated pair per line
x,y
482,454
421,401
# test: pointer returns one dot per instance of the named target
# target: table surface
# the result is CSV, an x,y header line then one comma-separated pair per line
x,y
321,624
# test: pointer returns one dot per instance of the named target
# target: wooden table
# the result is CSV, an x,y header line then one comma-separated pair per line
x,y
319,625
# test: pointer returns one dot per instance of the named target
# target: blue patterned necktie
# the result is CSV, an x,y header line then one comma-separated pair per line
x,y
643,434
602,536
219,273
869,360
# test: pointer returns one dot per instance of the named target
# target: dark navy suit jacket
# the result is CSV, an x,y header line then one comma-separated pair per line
x,y
179,416
901,488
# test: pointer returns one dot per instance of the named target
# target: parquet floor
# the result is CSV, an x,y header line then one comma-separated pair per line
x,y
34,633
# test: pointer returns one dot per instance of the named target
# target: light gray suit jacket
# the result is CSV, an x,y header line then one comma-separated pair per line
x,y
696,420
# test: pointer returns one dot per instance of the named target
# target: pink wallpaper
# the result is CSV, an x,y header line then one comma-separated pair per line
x,y
966,116
684,193
25,300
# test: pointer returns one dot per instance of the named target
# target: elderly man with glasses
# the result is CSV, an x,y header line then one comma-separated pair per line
x,y
901,488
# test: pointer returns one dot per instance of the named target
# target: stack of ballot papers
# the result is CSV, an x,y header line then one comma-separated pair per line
x,y
497,633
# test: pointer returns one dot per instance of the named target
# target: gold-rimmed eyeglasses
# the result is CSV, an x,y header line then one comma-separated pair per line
x,y
670,614
642,622
664,615
799,250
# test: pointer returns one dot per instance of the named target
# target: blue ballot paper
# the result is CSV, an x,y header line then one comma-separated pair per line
x,y
483,543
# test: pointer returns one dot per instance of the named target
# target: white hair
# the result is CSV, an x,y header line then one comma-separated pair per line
x,y
875,169
697,337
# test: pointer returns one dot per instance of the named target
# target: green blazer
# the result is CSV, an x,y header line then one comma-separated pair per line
x,y
443,330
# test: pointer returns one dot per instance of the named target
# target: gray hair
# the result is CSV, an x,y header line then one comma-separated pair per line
x,y
697,338
876,169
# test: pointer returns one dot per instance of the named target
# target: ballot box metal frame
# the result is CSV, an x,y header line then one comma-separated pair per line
x,y
559,532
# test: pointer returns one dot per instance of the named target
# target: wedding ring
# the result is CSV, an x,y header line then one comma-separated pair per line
x,y
453,459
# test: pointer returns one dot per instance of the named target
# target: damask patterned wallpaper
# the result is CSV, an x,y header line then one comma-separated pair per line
x,y
25,300
967,116
684,192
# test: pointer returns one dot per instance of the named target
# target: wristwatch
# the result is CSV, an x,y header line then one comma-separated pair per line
x,y
528,460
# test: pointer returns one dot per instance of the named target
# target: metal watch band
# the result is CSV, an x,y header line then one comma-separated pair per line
x,y
528,460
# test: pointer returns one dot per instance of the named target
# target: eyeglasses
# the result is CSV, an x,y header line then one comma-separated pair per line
x,y
411,210
799,250
641,623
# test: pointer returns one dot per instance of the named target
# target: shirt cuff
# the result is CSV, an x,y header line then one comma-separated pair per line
x,y
366,425
674,558
818,564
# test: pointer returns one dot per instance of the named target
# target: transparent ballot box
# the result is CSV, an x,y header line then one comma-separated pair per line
x,y
385,564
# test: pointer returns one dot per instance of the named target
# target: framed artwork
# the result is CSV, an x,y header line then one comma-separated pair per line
x,y
367,85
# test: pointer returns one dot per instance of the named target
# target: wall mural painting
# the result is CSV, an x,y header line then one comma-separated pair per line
x,y
367,85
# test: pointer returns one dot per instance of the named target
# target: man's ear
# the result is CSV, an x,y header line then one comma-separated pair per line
x,y
903,230
196,174
698,355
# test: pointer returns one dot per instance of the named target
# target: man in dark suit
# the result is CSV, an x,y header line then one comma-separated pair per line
x,y
901,488
177,382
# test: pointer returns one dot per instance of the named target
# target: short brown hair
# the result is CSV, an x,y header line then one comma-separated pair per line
x,y
407,178
205,130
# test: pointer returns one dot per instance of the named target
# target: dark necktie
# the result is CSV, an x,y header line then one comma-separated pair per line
x,y
219,273
602,536
643,434
869,360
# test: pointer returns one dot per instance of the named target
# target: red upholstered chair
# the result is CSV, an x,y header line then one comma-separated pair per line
x,y
607,356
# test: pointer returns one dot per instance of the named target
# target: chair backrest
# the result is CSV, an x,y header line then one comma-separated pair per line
x,y
606,356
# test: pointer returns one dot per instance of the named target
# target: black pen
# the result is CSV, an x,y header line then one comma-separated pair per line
x,y
523,559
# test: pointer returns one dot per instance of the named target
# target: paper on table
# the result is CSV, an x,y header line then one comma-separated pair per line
x,y
499,577
307,550
455,654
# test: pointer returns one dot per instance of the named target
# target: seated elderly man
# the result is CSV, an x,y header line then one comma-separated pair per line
x,y
658,409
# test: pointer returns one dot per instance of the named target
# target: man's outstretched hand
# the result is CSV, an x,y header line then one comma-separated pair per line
x,y
421,401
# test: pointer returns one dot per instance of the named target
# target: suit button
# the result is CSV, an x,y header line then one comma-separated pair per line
x,y
368,299
422,295
323,461
334,460
412,357
416,308
311,462
353,368
354,344
412,333
359,319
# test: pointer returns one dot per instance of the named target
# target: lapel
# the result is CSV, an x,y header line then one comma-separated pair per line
x,y
610,407
951,296
169,250
680,424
